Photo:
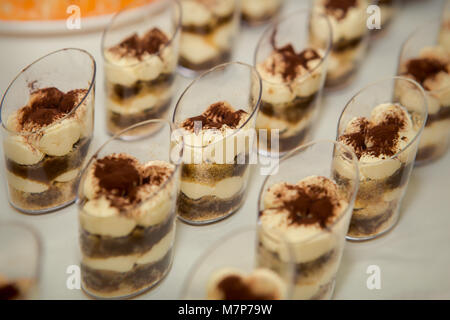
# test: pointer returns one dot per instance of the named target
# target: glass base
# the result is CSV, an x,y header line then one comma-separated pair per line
x,y
373,236
132,295
211,221
42,211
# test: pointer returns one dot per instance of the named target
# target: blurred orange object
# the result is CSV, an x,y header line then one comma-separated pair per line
x,y
44,10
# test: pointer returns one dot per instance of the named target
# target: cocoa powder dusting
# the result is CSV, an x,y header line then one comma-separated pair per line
x,y
50,105
422,69
234,288
136,46
339,8
215,117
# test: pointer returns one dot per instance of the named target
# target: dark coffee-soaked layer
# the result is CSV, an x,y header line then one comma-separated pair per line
x,y
442,114
225,56
304,269
293,113
123,121
124,92
426,153
51,166
250,20
208,207
207,29
140,240
369,226
400,177
138,278
213,172
288,143
345,44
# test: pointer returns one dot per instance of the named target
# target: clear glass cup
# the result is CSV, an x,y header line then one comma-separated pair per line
x,y
45,152
427,41
140,54
209,29
20,255
217,163
290,102
317,249
237,255
256,12
128,249
383,182
350,40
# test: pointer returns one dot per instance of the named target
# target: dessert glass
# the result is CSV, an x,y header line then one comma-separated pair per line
x,y
289,106
350,39
435,140
316,252
382,183
237,254
43,163
128,251
256,12
215,172
20,254
140,81
209,29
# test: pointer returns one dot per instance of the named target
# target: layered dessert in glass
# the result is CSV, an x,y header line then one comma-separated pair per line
x,y
20,255
216,118
428,62
292,64
311,209
255,12
48,119
229,271
140,61
127,199
383,129
350,37
208,31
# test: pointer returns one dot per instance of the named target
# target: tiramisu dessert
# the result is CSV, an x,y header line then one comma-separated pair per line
x,y
382,145
45,144
17,289
214,175
292,81
348,22
127,224
255,12
309,214
140,73
208,31
232,284
431,69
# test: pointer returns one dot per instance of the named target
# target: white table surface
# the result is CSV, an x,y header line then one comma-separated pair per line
x,y
414,258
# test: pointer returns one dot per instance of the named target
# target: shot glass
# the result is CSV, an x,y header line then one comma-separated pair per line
x,y
303,200
292,61
385,155
427,47
126,204
216,115
256,12
47,116
231,270
20,254
350,38
209,29
140,54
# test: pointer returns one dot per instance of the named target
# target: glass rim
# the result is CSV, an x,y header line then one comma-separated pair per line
x,y
36,238
299,150
415,32
417,134
223,66
283,19
130,7
73,111
221,241
115,137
